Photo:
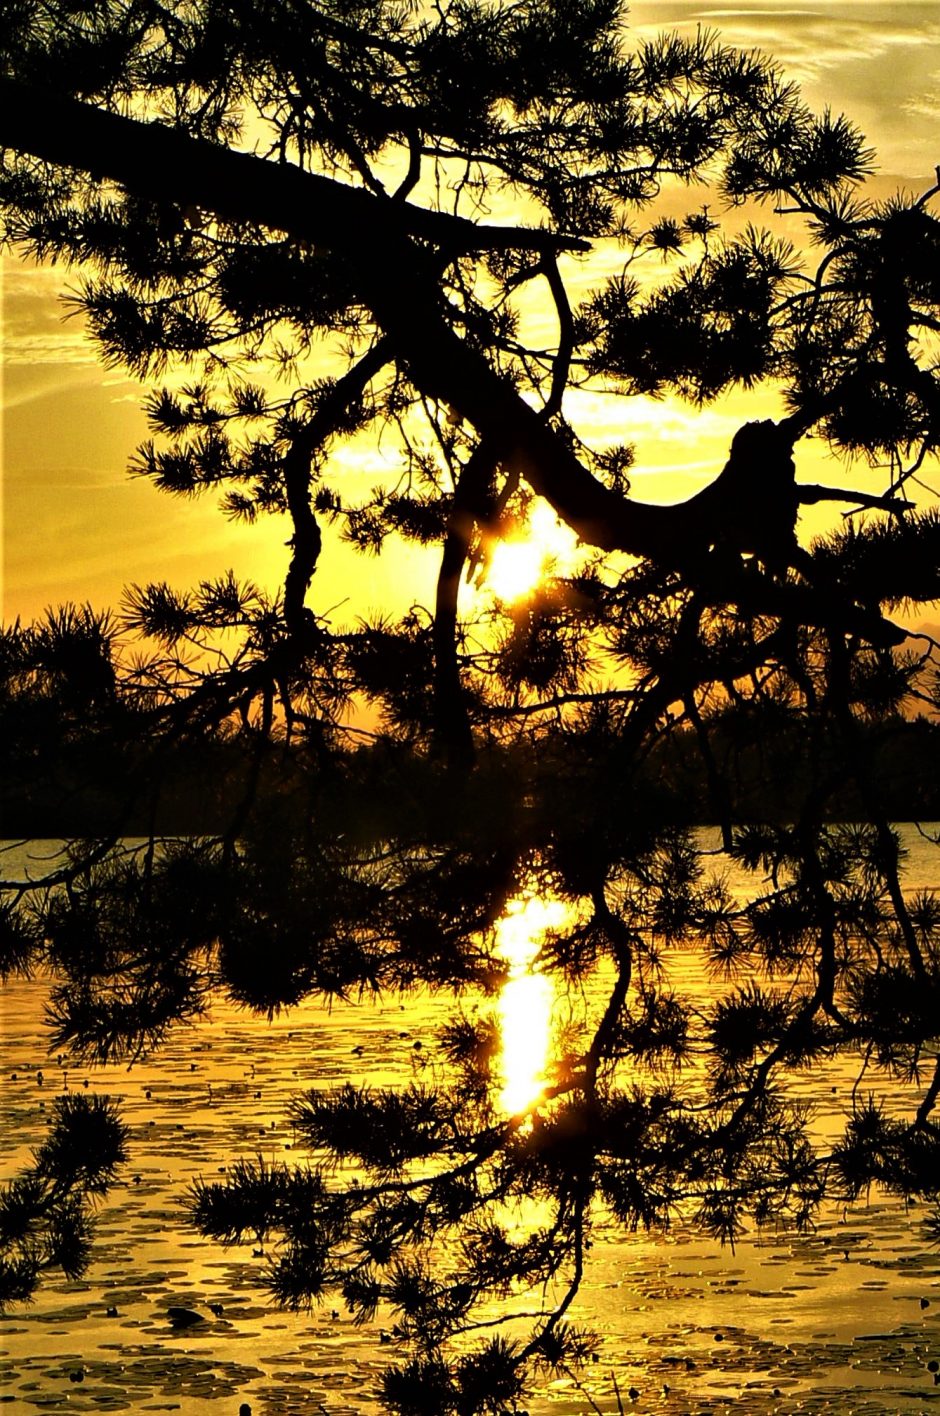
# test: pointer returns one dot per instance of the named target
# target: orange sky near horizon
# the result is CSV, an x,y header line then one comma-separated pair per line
x,y
76,527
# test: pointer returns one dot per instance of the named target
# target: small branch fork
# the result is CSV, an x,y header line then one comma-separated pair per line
x,y
306,540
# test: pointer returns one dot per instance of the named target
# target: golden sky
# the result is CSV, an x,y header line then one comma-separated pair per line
x,y
75,526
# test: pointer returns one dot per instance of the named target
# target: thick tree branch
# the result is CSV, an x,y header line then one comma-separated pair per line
x,y
392,271
751,506
164,163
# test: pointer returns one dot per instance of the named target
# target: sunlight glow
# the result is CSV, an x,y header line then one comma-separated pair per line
x,y
525,1005
516,566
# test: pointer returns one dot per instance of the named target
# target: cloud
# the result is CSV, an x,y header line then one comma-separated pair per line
x,y
810,42
37,348
926,104
39,328
876,62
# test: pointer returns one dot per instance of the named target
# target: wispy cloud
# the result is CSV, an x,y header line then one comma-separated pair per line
x,y
38,326
812,41
875,61
925,104
38,348
28,381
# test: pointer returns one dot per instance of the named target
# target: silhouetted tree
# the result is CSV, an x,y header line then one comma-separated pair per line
x,y
45,1212
244,186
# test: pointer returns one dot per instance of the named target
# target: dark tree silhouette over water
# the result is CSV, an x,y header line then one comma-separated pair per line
x,y
251,190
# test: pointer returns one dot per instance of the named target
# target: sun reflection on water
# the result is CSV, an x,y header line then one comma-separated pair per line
x,y
525,1004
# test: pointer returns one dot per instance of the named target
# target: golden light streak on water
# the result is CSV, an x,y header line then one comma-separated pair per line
x,y
525,1005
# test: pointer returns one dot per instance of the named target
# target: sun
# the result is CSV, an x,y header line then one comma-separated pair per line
x,y
516,566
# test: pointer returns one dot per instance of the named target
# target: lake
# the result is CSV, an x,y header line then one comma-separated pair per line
x,y
843,1319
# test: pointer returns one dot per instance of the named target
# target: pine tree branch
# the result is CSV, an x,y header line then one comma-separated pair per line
x,y
744,509
159,162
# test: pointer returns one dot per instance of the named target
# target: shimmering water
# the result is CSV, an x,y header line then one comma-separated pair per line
x,y
845,1319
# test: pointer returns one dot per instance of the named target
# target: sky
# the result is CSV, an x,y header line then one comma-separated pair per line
x,y
77,527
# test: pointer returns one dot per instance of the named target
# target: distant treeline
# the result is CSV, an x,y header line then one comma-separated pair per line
x,y
86,783
772,774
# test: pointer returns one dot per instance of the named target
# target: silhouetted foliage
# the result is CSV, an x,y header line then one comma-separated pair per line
x,y
337,283
45,1212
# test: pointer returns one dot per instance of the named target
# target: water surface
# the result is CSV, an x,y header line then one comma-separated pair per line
x,y
845,1319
